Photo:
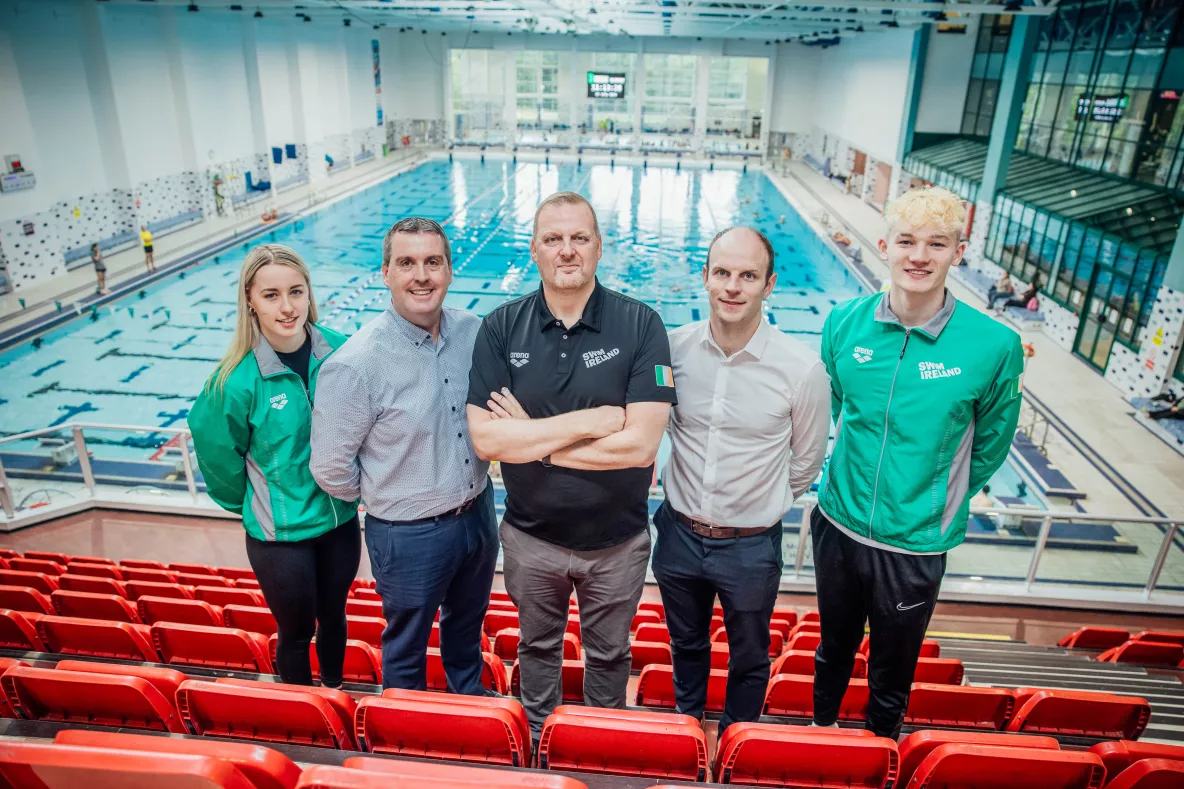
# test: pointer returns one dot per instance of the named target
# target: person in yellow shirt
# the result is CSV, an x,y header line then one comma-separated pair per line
x,y
146,239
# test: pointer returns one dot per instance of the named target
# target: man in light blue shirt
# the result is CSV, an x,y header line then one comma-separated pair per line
x,y
390,427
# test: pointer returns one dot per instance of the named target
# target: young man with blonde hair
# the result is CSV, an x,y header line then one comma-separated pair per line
x,y
925,393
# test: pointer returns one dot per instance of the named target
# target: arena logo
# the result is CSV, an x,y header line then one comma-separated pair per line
x,y
937,370
519,359
862,354
279,401
593,358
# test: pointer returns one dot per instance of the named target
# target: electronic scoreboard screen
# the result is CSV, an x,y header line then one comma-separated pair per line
x,y
604,85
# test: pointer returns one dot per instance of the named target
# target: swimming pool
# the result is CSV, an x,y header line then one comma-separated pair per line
x,y
142,359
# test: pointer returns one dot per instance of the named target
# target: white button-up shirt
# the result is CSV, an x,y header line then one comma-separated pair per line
x,y
748,435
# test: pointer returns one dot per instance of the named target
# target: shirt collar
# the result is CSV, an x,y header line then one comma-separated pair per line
x,y
269,361
932,328
589,320
413,333
754,347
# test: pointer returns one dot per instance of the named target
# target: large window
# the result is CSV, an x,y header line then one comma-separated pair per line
x,y
669,103
610,115
986,71
735,96
537,90
478,93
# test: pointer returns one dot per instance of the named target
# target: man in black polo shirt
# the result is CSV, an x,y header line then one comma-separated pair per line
x,y
570,389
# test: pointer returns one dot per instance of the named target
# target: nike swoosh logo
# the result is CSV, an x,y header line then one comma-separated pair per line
x,y
903,607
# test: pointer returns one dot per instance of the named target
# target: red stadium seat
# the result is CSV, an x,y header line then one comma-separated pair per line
x,y
655,607
48,556
720,655
915,747
929,648
341,702
357,594
805,627
1083,714
761,754
234,573
187,612
1147,653
505,644
27,565
8,553
40,581
96,570
500,596
35,765
1151,774
150,575
656,688
445,726
263,767
363,663
368,772
69,635
810,616
94,698
197,579
644,618
988,767
18,630
494,675
366,628
486,644
786,615
138,589
297,717
795,662
6,710
253,619
146,564
215,647
87,605
25,598
1096,638
647,653
165,680
1160,636
92,560
959,707
804,641
89,583
1119,755
499,620
571,678
224,596
370,608
573,624
939,671
623,742
652,632
193,569
792,695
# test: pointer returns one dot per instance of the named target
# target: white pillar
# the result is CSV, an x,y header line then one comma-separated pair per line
x,y
638,94
702,80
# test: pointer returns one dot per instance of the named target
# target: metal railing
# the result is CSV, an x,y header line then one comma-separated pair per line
x,y
180,437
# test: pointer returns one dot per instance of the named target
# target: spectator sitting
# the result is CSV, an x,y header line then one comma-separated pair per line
x,y
1001,289
1170,411
1028,299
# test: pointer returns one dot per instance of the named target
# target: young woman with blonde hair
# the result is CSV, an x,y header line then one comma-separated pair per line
x,y
250,428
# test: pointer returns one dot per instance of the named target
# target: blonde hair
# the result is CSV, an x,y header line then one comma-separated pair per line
x,y
566,198
927,206
246,329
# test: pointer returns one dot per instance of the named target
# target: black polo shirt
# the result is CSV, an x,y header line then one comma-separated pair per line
x,y
616,354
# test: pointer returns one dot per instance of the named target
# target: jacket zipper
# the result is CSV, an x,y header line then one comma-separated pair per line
x,y
308,400
884,442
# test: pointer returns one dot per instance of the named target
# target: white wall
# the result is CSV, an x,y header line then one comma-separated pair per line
x,y
360,74
16,133
794,79
271,39
216,82
947,73
413,69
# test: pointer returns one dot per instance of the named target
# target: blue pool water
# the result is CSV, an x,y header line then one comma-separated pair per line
x,y
143,359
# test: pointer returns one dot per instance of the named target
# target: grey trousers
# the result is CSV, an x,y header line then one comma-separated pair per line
x,y
540,578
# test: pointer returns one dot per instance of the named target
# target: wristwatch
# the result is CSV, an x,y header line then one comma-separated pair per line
x,y
546,461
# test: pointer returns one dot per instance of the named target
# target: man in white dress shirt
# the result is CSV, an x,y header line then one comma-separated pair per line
x,y
748,437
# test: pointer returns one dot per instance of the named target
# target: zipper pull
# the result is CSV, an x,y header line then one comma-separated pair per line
x,y
907,332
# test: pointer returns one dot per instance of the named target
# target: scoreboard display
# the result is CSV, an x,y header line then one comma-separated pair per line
x,y
604,85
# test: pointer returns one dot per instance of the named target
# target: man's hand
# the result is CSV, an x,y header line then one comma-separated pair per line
x,y
598,422
503,405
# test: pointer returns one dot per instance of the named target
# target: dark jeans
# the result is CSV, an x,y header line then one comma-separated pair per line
x,y
895,593
745,572
443,564
305,584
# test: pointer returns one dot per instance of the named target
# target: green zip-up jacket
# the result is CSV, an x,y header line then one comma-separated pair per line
x,y
923,418
252,442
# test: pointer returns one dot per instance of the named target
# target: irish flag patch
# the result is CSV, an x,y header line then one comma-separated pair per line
x,y
663,375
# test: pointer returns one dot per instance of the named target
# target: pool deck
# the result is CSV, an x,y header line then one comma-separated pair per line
x,y
1091,412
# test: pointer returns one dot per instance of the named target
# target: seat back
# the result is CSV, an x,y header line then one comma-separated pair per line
x,y
646,653
645,618
193,569
298,717
505,644
1080,713
499,620
92,584
792,695
1008,768
265,768
369,772
363,663
28,565
25,598
1097,638
147,564
40,581
371,608
138,589
762,754
341,702
795,661
486,644
366,628
959,706
218,647
149,574
571,678
494,676
622,745
91,605
253,619
91,560
187,612
93,698
1151,774
166,680
49,556
655,688
224,596
805,641
96,570
1161,636
1121,754
236,573
444,726
653,632
939,671
1148,653
37,765
18,630
915,747
69,635
785,614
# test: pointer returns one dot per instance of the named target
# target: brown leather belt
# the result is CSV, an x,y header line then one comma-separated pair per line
x,y
713,532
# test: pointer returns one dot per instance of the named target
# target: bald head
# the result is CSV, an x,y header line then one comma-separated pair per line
x,y
743,243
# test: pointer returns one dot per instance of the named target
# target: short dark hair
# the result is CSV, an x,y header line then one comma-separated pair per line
x,y
416,225
760,237
565,198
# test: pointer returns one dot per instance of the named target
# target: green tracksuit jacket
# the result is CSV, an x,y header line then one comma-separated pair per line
x,y
923,416
252,442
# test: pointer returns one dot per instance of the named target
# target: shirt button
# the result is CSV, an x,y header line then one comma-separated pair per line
x,y
454,408
470,487
563,356
466,461
460,435
565,336
558,323
445,380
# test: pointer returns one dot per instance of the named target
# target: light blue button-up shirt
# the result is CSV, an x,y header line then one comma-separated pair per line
x,y
389,425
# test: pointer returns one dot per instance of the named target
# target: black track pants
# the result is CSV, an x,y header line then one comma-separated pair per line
x,y
895,593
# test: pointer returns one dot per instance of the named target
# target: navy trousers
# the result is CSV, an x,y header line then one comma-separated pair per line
x,y
444,564
745,572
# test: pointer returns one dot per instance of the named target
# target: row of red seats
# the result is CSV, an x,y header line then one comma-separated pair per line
x,y
1149,647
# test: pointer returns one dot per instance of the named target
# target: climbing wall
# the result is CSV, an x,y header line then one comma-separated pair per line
x,y
32,257
86,219
168,196
1147,372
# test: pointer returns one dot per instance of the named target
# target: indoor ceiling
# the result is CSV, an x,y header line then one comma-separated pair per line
x,y
664,18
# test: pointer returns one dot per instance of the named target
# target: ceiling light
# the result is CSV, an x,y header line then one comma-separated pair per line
x,y
1152,219
1130,211
1072,193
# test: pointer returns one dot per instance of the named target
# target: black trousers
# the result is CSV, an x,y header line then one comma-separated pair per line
x,y
745,573
895,593
306,584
